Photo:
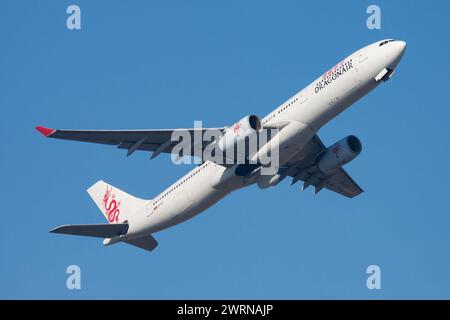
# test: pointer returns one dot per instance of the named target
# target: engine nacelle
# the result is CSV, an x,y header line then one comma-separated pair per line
x,y
234,137
340,153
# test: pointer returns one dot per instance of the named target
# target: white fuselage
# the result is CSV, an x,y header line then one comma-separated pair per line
x,y
306,112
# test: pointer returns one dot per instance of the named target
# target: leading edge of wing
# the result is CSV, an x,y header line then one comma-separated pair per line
x,y
49,132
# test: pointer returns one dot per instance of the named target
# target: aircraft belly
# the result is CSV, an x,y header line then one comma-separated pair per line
x,y
202,195
291,140
195,197
205,198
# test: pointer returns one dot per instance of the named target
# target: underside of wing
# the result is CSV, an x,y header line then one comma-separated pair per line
x,y
155,140
342,183
304,168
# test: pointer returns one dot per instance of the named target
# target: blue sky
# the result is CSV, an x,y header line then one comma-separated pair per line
x,y
164,64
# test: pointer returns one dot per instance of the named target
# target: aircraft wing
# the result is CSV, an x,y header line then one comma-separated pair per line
x,y
155,140
303,168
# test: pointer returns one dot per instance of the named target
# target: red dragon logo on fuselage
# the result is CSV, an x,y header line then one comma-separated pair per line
x,y
336,150
236,128
111,206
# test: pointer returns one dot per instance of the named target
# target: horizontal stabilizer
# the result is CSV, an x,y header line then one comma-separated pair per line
x,y
93,230
147,243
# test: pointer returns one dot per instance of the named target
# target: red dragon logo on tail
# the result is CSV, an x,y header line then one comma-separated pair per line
x,y
111,205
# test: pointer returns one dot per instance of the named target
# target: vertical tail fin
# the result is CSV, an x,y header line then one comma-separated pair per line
x,y
115,204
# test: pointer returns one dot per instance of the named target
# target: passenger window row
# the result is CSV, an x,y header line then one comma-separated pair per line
x,y
288,105
280,110
203,166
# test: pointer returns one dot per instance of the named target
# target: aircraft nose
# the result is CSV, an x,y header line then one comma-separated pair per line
x,y
401,47
396,51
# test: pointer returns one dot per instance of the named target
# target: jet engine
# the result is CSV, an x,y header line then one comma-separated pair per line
x,y
235,136
340,153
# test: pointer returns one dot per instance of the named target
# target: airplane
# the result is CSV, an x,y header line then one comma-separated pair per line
x,y
301,154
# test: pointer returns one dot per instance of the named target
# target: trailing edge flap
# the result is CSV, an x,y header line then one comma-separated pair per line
x,y
93,230
147,243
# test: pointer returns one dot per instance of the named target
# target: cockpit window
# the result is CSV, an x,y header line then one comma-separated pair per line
x,y
386,41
